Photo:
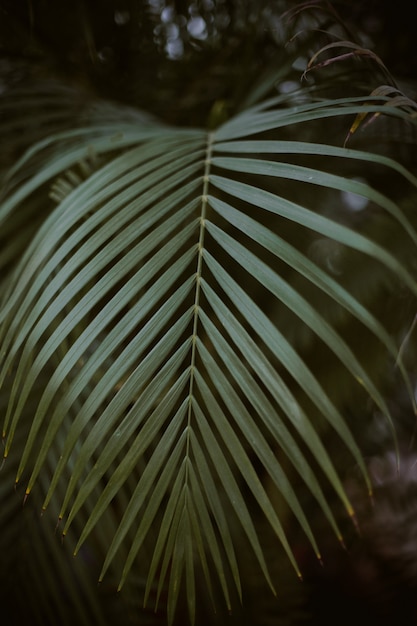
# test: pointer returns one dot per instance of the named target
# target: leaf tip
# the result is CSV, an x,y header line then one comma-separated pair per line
x,y
342,543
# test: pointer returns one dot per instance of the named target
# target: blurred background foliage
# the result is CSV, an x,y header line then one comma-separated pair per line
x,y
195,64
179,59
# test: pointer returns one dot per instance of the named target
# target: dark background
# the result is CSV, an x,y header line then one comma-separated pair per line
x,y
178,58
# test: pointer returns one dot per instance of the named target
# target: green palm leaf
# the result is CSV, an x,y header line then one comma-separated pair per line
x,y
143,292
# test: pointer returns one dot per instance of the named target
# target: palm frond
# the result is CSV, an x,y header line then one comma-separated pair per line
x,y
154,292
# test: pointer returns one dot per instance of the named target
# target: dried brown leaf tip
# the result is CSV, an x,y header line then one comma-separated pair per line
x,y
393,98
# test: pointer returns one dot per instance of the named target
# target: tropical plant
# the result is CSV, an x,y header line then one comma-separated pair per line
x,y
185,316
